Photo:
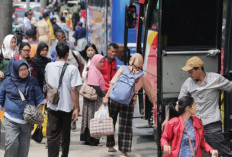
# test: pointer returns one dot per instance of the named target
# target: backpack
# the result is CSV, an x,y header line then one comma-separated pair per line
x,y
123,89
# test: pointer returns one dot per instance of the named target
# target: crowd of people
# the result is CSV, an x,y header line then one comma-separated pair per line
x,y
45,54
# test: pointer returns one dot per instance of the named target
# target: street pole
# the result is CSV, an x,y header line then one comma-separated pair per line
x,y
28,5
43,3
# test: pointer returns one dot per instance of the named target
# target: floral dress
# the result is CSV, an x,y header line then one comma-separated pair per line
x,y
185,150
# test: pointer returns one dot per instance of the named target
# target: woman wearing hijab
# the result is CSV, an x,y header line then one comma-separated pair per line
x,y
88,53
126,111
8,51
9,46
40,62
17,130
96,80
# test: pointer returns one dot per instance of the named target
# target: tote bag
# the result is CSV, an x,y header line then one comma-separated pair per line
x,y
101,126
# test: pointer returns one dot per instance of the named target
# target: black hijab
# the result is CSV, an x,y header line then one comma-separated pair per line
x,y
40,64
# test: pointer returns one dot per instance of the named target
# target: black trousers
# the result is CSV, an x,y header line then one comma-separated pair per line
x,y
58,127
215,138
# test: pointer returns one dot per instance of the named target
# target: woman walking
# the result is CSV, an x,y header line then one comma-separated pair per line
x,y
96,80
9,46
126,111
183,136
40,62
17,130
9,50
88,53
24,54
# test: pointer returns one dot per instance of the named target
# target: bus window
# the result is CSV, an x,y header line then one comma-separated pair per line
x,y
190,24
154,18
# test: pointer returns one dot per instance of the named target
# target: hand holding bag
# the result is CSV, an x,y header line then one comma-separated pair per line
x,y
37,136
102,126
53,92
88,92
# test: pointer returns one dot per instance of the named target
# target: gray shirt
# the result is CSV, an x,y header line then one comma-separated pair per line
x,y
207,95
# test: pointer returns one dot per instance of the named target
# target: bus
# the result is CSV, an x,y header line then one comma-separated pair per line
x,y
173,31
105,24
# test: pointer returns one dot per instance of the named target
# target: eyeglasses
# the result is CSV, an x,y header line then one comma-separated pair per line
x,y
137,68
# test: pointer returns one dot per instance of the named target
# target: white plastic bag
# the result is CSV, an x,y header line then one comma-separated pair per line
x,y
102,112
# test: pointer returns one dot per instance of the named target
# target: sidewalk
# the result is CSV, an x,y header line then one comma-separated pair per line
x,y
143,143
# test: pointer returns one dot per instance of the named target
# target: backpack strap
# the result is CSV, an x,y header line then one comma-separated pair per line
x,y
138,75
62,74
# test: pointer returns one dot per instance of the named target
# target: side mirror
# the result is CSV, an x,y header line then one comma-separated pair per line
x,y
131,18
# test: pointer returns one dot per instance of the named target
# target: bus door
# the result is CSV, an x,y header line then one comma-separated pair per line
x,y
186,29
227,69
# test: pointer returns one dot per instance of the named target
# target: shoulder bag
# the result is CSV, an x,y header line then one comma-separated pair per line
x,y
88,92
53,92
31,113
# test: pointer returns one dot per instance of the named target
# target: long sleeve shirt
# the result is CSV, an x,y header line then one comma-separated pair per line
x,y
206,95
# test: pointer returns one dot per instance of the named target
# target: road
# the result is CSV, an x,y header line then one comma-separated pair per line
x,y
143,144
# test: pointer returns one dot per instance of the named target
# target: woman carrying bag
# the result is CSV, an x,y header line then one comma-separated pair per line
x,y
87,54
95,80
183,136
18,131
125,107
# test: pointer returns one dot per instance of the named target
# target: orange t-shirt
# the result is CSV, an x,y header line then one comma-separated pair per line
x,y
33,50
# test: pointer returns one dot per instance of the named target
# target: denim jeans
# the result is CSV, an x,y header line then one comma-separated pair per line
x,y
17,139
215,138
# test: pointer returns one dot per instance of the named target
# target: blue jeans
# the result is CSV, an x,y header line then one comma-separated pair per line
x,y
17,139
215,138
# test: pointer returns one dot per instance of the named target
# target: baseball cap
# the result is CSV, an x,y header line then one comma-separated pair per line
x,y
192,63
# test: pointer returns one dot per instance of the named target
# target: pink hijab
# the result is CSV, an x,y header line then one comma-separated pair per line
x,y
94,75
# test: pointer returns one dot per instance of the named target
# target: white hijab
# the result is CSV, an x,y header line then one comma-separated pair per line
x,y
7,51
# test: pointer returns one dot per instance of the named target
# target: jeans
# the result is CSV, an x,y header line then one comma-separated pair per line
x,y
17,139
58,128
215,138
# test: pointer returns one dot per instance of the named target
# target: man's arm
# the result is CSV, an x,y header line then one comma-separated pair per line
x,y
224,84
75,99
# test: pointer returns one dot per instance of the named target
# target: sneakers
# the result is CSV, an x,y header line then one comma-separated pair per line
x,y
73,126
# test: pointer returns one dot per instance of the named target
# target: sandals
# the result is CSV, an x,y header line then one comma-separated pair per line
x,y
112,150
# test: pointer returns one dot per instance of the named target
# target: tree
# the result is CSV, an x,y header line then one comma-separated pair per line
x,y
6,12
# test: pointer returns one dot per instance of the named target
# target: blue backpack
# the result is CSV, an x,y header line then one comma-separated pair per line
x,y
123,89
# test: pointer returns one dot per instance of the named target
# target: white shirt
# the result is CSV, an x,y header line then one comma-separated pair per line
x,y
71,79
27,24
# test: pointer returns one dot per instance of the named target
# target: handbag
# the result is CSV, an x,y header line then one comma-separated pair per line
x,y
190,143
88,92
31,113
101,126
37,136
53,92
